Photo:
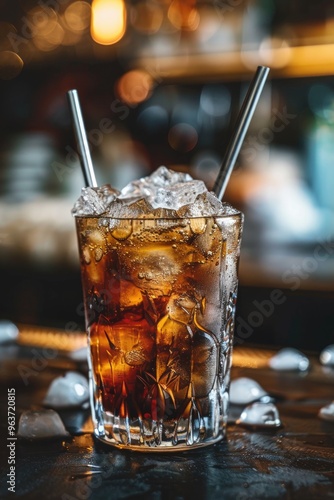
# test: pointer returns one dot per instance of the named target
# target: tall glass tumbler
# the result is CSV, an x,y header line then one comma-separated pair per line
x,y
160,297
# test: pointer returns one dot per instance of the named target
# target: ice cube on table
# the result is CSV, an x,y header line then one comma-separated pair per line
x,y
327,412
245,390
8,331
261,415
289,359
327,356
41,424
68,391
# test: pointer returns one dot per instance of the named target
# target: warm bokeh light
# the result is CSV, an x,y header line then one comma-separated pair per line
x,y
11,65
147,17
77,16
183,14
275,52
42,21
108,21
51,40
134,87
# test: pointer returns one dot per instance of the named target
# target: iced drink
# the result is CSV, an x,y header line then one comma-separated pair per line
x,y
159,272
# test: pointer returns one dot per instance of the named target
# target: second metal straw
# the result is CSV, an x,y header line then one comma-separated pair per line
x,y
243,120
81,138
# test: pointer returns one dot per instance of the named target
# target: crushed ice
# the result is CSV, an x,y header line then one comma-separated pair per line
x,y
262,415
94,201
176,193
8,331
68,391
245,390
41,424
327,356
289,359
327,412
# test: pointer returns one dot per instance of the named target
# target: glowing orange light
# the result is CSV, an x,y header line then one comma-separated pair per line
x,y
184,14
134,86
108,21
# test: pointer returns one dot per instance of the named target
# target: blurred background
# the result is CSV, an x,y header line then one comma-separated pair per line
x,y
161,82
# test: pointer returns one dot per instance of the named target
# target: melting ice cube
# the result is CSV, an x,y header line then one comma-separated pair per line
x,y
8,331
327,412
263,415
245,390
68,391
327,356
289,359
41,424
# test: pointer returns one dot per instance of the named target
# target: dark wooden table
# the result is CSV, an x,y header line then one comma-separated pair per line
x,y
295,461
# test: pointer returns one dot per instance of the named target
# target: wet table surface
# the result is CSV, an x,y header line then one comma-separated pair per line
x,y
295,461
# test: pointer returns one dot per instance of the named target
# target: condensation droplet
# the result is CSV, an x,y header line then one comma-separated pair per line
x,y
198,225
98,254
86,255
123,230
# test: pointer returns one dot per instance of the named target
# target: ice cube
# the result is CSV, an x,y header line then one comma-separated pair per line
x,y
68,391
163,193
289,359
8,331
204,204
209,243
245,390
263,415
205,363
327,412
152,267
327,356
95,201
173,334
41,424
181,308
178,195
130,295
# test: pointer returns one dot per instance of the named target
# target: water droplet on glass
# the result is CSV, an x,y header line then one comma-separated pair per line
x,y
98,253
123,230
198,225
86,255
245,390
289,359
327,412
327,356
263,415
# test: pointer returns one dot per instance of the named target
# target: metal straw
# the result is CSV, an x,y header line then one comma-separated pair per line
x,y
81,138
243,120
